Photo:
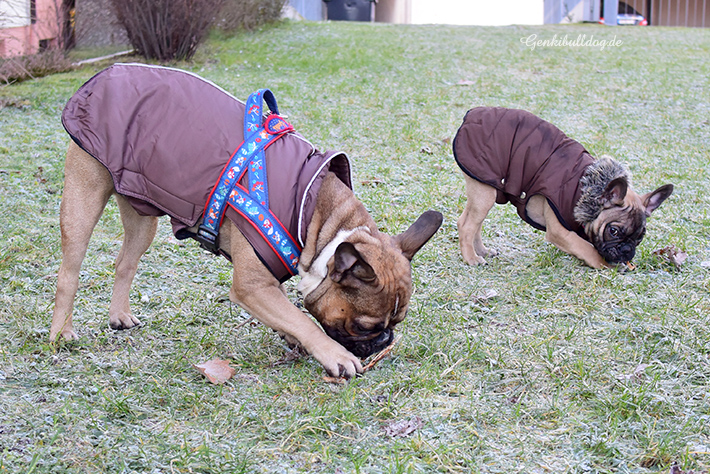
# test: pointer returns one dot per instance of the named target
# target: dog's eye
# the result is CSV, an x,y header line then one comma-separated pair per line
x,y
614,231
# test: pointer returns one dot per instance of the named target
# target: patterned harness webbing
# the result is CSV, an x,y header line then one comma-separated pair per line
x,y
252,203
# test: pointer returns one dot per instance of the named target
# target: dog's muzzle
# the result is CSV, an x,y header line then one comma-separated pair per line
x,y
363,348
619,253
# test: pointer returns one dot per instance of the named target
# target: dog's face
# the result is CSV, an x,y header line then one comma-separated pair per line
x,y
621,225
368,287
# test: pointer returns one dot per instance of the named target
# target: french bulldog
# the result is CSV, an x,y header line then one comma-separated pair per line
x,y
585,206
356,281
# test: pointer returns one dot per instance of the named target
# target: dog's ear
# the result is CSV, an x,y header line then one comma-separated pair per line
x,y
349,267
414,238
652,200
615,192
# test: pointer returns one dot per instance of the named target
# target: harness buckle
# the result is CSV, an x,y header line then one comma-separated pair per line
x,y
276,125
207,239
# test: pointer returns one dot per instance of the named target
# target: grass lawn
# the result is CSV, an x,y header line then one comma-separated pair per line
x,y
566,369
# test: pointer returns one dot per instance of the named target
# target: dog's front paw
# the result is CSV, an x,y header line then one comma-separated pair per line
x,y
490,253
338,361
123,321
66,334
476,260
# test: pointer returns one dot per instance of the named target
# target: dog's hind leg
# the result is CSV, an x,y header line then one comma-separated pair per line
x,y
87,188
139,232
480,198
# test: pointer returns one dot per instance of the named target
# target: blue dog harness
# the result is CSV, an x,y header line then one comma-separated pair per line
x,y
251,202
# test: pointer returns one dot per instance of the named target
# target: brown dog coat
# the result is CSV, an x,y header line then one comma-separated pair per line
x,y
165,136
521,155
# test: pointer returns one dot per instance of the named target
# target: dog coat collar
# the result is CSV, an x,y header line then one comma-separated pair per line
x,y
252,203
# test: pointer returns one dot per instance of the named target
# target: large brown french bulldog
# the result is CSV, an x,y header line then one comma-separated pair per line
x,y
356,281
585,206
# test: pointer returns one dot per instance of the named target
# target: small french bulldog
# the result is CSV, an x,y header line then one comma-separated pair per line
x,y
585,206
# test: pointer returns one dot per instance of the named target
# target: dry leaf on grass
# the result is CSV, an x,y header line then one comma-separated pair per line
x,y
217,371
675,256
404,428
675,469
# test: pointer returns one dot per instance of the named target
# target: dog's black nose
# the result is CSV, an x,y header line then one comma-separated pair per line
x,y
622,254
366,348
385,339
627,253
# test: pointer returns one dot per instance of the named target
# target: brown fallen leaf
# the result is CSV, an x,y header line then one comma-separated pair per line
x,y
675,256
217,371
404,428
675,469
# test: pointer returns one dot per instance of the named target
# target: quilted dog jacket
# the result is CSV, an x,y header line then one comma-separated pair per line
x,y
165,135
522,155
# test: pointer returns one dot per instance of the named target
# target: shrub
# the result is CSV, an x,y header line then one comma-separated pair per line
x,y
21,68
166,29
248,14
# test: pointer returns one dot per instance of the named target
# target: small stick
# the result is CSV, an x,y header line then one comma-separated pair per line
x,y
336,380
382,354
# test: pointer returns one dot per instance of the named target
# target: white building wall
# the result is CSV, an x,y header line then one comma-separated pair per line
x,y
14,13
478,12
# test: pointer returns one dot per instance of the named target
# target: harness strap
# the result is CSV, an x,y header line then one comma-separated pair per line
x,y
251,203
